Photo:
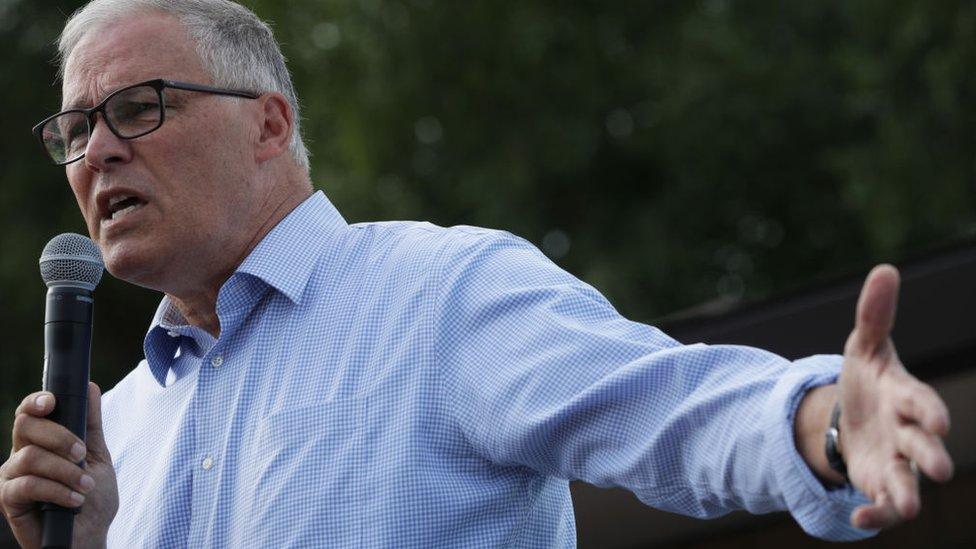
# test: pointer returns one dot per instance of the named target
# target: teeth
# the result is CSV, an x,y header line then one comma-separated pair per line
x,y
118,198
124,211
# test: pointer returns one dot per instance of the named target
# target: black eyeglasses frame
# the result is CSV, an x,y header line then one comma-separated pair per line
x,y
158,84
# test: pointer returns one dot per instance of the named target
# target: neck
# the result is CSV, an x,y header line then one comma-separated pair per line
x,y
199,310
198,303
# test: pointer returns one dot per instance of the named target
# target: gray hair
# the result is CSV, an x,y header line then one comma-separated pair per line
x,y
236,47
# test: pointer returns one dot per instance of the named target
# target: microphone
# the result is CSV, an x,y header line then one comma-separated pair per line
x,y
71,266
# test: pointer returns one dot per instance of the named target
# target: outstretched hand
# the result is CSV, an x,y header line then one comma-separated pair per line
x,y
891,424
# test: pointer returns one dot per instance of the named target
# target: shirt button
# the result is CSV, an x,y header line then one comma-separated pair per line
x,y
216,361
207,463
173,334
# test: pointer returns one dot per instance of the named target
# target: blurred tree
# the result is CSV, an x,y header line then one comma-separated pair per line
x,y
37,204
669,153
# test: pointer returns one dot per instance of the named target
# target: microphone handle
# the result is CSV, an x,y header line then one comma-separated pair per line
x,y
67,363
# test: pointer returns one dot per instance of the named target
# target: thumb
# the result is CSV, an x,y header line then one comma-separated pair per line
x,y
875,316
95,437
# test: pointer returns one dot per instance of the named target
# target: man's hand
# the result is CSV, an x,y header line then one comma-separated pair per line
x,y
42,467
891,424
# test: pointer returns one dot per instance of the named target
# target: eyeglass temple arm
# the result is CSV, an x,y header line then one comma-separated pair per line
x,y
207,89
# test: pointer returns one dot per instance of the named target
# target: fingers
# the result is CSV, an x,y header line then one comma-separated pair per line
x,y
927,450
876,308
24,492
30,430
897,502
38,462
919,403
927,419
94,407
34,474
902,485
37,404
43,462
876,515
97,450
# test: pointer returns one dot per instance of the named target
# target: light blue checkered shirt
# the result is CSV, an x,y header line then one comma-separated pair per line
x,y
401,384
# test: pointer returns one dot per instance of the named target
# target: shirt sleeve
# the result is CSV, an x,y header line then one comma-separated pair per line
x,y
540,371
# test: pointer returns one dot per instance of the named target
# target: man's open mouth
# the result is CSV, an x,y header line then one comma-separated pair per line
x,y
122,205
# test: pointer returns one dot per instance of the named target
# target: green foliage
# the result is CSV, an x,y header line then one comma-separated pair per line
x,y
670,153
684,150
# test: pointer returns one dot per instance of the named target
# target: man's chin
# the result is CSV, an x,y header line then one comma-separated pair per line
x,y
129,265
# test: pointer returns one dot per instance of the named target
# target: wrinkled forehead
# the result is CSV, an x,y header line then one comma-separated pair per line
x,y
132,49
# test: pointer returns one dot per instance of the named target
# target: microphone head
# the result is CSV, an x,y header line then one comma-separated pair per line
x,y
71,259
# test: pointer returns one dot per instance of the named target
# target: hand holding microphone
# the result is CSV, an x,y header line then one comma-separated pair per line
x,y
51,473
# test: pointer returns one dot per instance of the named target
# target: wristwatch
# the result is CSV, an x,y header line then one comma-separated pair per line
x,y
834,459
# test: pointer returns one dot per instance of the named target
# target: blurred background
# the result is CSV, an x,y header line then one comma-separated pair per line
x,y
712,166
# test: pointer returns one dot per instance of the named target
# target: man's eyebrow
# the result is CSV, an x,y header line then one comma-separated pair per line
x,y
73,105
76,103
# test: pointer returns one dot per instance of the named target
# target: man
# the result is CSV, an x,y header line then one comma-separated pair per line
x,y
308,382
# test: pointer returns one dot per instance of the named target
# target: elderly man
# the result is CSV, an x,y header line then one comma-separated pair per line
x,y
309,382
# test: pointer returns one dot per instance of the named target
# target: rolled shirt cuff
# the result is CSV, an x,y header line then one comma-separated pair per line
x,y
821,512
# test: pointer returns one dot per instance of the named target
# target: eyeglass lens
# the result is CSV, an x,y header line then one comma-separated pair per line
x,y
129,113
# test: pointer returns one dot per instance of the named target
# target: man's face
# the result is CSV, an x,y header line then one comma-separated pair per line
x,y
194,199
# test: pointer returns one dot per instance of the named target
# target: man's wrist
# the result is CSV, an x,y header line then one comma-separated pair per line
x,y
812,420
832,448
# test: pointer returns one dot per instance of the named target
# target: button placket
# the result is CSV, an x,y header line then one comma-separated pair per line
x,y
209,444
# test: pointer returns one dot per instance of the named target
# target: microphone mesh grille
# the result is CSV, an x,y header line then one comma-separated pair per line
x,y
71,259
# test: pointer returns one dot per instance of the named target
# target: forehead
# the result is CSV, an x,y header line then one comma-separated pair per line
x,y
134,48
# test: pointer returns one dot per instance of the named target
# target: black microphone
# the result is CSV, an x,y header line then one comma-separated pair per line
x,y
71,266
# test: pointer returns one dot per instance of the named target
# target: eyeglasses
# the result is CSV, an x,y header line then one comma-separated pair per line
x,y
129,113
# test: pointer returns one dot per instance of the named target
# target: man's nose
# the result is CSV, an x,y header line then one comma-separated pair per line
x,y
104,147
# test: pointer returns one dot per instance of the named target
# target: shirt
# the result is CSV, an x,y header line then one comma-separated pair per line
x,y
401,384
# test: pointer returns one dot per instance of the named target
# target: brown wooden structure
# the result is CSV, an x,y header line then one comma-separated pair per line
x,y
936,337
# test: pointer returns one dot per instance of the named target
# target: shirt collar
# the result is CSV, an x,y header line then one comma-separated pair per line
x,y
286,257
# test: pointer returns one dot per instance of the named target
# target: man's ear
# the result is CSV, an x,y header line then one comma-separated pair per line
x,y
277,123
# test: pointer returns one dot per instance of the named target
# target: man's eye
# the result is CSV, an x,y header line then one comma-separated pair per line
x,y
74,135
76,130
136,109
